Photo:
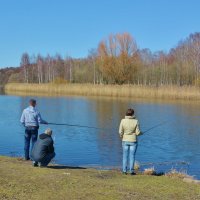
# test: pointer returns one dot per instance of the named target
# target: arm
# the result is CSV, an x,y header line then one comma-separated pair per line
x,y
40,120
51,147
22,119
121,130
137,130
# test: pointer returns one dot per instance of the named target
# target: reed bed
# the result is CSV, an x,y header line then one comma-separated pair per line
x,y
130,91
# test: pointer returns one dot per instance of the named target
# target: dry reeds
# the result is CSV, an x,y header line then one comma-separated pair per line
x,y
136,166
149,171
132,91
173,173
182,175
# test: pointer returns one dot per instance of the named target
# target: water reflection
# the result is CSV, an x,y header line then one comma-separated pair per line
x,y
176,140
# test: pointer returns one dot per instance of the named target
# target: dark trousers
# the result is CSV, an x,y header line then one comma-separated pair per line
x,y
47,159
31,134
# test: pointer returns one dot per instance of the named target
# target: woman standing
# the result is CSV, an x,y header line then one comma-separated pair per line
x,y
128,131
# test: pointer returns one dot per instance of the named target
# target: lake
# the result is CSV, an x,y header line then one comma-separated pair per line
x,y
174,144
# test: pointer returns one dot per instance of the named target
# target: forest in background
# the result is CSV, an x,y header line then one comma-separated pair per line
x,y
116,60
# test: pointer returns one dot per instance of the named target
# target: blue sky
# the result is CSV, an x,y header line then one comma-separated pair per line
x,y
72,27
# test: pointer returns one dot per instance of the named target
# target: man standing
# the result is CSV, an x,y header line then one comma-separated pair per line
x,y
31,119
43,150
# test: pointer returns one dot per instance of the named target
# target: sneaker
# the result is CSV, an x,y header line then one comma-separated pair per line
x,y
41,166
132,173
35,164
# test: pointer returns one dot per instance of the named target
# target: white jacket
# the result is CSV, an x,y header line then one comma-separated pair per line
x,y
129,129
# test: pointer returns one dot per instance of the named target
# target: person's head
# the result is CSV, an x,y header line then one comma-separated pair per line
x,y
48,131
32,102
130,112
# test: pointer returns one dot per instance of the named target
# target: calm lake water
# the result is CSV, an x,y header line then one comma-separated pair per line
x,y
175,144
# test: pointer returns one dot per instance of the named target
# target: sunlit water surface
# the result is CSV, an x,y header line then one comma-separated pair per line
x,y
174,144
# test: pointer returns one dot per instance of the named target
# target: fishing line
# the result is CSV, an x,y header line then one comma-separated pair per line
x,y
165,163
98,128
156,126
76,125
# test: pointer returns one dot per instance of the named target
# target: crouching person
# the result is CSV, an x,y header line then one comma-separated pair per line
x,y
43,150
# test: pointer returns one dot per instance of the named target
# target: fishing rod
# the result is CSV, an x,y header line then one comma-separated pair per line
x,y
76,125
156,126
98,128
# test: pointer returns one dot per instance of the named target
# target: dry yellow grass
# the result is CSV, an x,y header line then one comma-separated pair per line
x,y
164,92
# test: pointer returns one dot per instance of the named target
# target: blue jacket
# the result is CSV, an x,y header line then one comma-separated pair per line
x,y
42,147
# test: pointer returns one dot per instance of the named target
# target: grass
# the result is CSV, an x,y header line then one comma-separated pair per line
x,y
19,180
170,92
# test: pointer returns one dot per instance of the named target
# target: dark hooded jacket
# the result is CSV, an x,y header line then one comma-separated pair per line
x,y
42,147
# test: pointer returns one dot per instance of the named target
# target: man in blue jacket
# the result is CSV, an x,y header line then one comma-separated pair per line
x,y
31,119
43,150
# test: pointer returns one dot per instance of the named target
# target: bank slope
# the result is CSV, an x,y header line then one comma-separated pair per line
x,y
19,180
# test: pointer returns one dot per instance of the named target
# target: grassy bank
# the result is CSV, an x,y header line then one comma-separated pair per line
x,y
19,180
187,93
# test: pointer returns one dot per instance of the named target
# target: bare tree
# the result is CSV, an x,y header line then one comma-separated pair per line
x,y
39,67
25,63
93,57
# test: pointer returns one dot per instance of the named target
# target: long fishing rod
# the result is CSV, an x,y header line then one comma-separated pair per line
x,y
98,128
156,126
75,125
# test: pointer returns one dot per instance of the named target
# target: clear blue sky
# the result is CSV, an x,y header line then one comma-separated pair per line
x,y
72,27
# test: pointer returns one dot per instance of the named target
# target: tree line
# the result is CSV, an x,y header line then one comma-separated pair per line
x,y
116,60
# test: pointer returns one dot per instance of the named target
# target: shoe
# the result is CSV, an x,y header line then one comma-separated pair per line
x,y
132,173
41,166
124,173
35,164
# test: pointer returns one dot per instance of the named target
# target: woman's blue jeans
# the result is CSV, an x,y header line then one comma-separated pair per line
x,y
129,150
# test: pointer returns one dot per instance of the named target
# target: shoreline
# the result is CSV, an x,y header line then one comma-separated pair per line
x,y
19,180
116,91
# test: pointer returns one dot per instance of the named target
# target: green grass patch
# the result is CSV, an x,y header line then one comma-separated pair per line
x,y
19,180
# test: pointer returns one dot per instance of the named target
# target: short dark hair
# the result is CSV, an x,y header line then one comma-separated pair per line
x,y
130,112
32,101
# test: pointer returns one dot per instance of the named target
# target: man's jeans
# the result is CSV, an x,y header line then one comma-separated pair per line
x,y
129,150
31,134
47,159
